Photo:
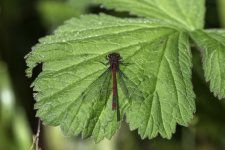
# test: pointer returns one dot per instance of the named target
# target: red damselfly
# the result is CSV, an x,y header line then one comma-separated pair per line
x,y
107,84
115,60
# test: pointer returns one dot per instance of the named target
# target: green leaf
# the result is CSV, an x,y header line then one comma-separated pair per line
x,y
216,31
212,46
67,93
169,94
188,14
221,12
55,12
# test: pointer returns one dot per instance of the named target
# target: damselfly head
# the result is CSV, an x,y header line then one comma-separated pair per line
x,y
114,58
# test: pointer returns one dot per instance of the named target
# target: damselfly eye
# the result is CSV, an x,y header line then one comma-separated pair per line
x,y
109,55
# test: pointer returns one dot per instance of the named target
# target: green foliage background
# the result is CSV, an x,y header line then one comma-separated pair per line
x,y
208,121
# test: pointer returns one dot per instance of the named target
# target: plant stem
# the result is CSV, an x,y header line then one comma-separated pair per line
x,y
36,137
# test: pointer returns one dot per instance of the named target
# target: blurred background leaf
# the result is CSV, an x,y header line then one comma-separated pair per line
x,y
14,128
221,11
55,12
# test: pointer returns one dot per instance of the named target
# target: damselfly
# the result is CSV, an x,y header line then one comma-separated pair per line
x,y
106,84
131,91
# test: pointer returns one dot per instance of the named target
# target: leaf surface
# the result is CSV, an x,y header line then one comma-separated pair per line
x,y
169,97
70,90
188,14
212,46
